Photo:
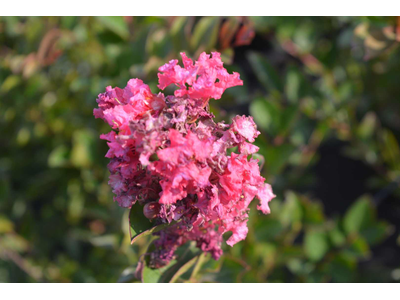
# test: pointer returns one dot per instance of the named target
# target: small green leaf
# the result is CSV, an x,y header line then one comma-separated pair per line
x,y
265,73
128,275
158,43
287,118
367,126
184,254
359,215
268,230
177,33
198,265
377,232
9,83
187,256
292,212
115,24
336,236
277,157
83,146
261,113
341,268
315,245
390,148
227,56
141,226
205,34
5,225
151,275
313,211
58,157
359,248
293,84
138,222
183,269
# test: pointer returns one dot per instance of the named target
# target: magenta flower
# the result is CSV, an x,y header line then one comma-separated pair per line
x,y
168,155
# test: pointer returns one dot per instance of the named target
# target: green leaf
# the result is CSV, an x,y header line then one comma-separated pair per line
x,y
263,113
377,232
9,83
128,275
184,254
198,265
115,24
5,225
264,254
289,252
341,268
187,256
359,215
158,43
293,84
151,275
58,157
265,73
359,248
287,117
367,126
227,56
177,33
83,147
268,229
313,211
336,236
390,148
292,211
147,274
277,157
183,269
205,34
315,245
141,226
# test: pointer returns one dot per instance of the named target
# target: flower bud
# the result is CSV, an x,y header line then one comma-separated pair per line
x,y
151,210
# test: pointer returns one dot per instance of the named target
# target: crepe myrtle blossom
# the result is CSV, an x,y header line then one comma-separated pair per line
x,y
168,155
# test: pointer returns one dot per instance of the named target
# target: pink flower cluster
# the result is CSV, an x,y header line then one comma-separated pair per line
x,y
168,155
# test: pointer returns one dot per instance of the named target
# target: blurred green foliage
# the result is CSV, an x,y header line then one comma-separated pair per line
x,y
308,82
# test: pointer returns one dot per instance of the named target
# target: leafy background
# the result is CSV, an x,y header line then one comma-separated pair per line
x,y
324,92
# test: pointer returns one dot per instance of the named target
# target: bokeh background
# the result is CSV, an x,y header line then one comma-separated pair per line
x,y
324,92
